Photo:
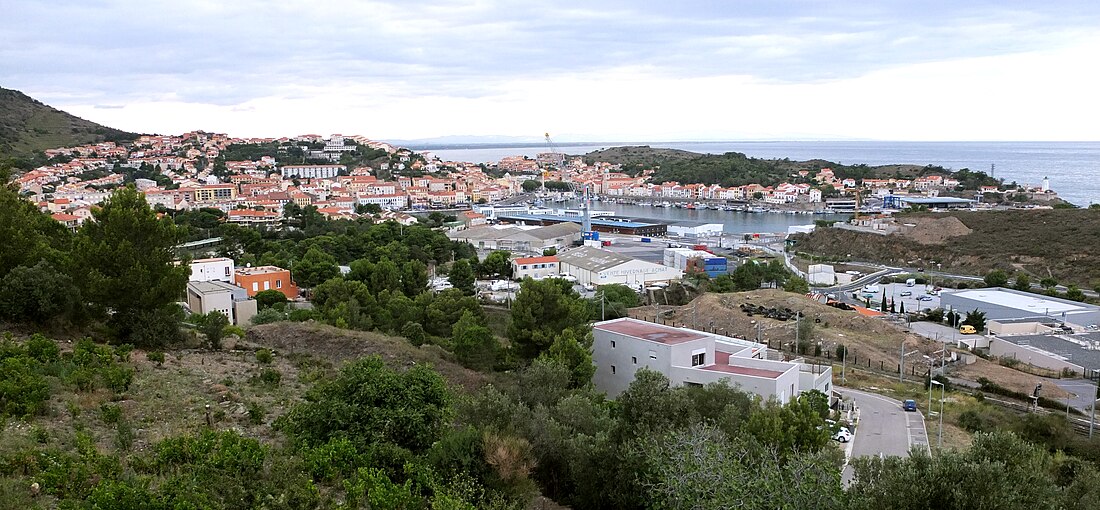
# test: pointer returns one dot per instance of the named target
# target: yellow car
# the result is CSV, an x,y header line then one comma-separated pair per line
x,y
967,329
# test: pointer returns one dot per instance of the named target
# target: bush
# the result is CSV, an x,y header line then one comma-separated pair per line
x,y
265,356
118,379
23,390
110,413
43,349
156,357
256,413
268,316
269,377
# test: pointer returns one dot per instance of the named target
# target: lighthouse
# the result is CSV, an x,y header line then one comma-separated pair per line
x,y
1046,184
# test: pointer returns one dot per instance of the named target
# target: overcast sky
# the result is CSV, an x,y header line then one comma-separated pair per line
x,y
581,70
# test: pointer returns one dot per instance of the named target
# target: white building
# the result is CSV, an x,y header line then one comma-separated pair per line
x,y
215,296
312,171
621,347
695,229
821,274
215,269
534,267
593,266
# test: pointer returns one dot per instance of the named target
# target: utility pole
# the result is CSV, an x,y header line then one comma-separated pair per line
x,y
844,365
901,362
1092,414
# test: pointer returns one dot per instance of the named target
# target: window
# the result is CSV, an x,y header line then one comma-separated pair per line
x,y
255,286
227,270
634,359
278,284
612,369
699,359
652,354
612,344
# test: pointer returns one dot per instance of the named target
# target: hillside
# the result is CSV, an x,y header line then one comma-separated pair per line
x,y
1060,243
735,169
28,126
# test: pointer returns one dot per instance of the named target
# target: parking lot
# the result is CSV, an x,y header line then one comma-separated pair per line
x,y
915,298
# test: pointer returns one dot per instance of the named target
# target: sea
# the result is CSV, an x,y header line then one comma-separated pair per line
x,y
1072,167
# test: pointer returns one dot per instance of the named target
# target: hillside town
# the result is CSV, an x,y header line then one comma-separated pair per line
x,y
195,170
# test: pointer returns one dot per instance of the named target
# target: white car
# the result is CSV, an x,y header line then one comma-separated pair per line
x,y
843,435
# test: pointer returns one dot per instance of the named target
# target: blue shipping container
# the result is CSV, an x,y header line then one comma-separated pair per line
x,y
646,240
591,236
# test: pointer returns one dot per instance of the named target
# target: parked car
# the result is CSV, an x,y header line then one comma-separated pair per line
x,y
967,329
909,405
906,293
924,298
843,435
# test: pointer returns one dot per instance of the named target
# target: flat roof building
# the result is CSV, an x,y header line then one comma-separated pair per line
x,y
621,347
1007,304
215,296
593,266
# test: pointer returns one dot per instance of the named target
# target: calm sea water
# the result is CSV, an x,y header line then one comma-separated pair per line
x,y
1073,167
734,222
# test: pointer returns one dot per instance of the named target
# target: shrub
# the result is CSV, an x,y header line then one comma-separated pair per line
x,y
265,356
267,316
23,390
270,377
256,413
122,352
118,379
110,413
43,349
156,357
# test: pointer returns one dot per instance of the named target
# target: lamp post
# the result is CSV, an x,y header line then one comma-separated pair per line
x,y
940,432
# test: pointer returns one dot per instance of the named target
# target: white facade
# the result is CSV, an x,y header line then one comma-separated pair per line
x,y
312,171
593,266
208,270
216,296
534,267
621,347
821,274
693,230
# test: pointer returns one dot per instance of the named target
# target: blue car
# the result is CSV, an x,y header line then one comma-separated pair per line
x,y
909,405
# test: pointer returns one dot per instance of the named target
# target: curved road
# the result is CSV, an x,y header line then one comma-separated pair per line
x,y
883,429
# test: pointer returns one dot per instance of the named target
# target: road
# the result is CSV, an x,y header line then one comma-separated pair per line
x,y
883,429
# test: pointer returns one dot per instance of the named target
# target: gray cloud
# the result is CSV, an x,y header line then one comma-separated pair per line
x,y
226,53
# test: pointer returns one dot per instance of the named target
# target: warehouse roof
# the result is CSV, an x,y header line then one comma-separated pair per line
x,y
592,259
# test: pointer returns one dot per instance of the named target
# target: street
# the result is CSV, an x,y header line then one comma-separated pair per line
x,y
883,429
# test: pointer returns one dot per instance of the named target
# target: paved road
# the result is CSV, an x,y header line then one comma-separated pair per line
x,y
883,429
1080,388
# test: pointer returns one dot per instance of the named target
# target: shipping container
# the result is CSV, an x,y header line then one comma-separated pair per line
x,y
646,240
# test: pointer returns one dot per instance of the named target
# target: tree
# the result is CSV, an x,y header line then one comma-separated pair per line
x,y
996,278
345,304
314,268
1074,293
474,344
530,185
975,318
575,355
542,311
212,325
612,301
462,277
496,264
1023,281
38,295
28,235
125,260
797,285
882,307
269,298
1048,283
371,403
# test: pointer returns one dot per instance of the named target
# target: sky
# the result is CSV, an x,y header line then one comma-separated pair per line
x,y
581,70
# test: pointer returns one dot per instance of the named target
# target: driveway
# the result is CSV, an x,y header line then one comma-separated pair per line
x,y
884,429
1080,388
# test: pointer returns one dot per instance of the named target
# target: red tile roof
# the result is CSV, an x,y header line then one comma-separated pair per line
x,y
536,260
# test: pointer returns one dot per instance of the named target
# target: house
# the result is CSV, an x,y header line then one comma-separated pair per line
x,y
261,278
593,266
534,267
689,357
472,219
212,269
214,296
252,217
71,221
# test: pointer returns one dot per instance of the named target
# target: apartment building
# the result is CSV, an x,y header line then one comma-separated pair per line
x,y
621,347
215,296
258,279
212,269
214,192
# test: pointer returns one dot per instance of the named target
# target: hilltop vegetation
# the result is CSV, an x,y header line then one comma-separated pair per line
x,y
737,169
1059,244
28,127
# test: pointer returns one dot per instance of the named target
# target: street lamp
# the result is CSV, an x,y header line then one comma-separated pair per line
x,y
942,389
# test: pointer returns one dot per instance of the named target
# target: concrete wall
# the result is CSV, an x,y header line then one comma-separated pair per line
x,y
1037,357
243,311
1016,328
627,356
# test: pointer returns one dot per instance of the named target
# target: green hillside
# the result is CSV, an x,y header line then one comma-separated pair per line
x,y
28,127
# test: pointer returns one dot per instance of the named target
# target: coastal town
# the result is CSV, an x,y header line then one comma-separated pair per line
x,y
194,170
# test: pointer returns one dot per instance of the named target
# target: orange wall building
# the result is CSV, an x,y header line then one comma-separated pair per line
x,y
259,279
